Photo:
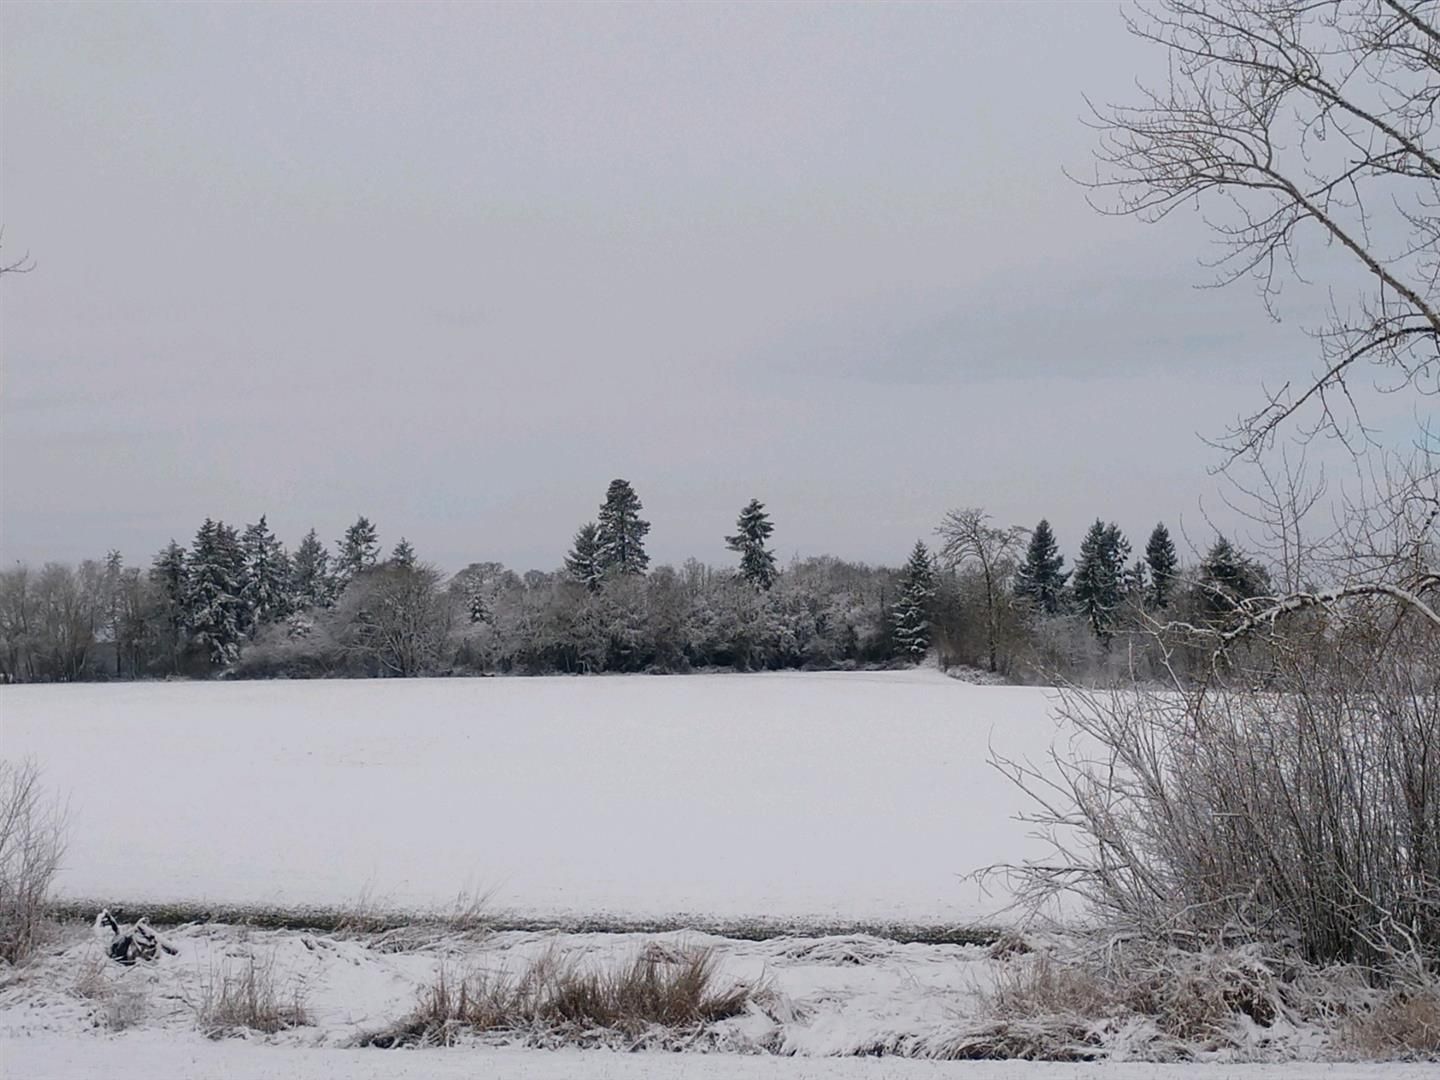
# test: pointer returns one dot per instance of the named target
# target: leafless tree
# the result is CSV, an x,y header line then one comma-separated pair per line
x,y
1287,120
969,539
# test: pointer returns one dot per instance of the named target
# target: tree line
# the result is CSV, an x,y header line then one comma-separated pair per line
x,y
236,602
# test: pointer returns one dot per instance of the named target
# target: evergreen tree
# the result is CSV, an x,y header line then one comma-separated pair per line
x,y
1040,578
403,556
1226,579
620,531
114,602
753,529
1162,562
213,608
266,579
359,550
583,563
1098,585
311,585
910,616
168,573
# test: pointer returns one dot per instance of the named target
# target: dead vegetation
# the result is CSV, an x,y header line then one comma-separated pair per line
x,y
658,998
385,930
120,1002
32,844
1403,1026
234,1001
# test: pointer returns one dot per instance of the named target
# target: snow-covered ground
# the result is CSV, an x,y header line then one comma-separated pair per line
x,y
826,1001
144,1057
833,797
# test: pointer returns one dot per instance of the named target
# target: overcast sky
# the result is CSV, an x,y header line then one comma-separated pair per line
x,y
456,266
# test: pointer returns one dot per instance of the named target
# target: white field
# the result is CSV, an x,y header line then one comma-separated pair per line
x,y
844,796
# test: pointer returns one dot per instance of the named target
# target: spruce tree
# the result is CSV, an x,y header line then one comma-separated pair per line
x,y
1040,578
753,529
583,563
1227,578
266,579
403,556
1162,562
359,550
910,617
311,584
214,612
620,531
168,573
1098,584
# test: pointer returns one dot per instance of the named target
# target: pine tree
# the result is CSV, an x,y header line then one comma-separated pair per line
x,y
583,563
753,529
403,556
620,531
168,573
359,550
213,608
311,585
1040,578
266,580
1098,585
1162,562
910,617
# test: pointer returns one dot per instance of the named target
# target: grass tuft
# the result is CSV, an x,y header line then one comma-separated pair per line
x,y
555,996
250,999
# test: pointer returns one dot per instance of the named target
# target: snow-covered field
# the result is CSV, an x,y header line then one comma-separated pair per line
x,y
828,797
808,799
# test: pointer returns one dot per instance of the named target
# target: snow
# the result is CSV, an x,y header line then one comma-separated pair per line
x,y
793,796
146,1057
831,998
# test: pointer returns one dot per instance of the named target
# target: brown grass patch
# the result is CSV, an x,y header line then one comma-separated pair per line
x,y
249,999
559,998
1405,1025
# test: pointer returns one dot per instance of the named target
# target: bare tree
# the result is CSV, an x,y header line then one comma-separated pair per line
x,y
1286,120
968,539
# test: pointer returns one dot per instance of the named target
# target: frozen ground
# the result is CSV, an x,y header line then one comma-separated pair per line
x,y
832,797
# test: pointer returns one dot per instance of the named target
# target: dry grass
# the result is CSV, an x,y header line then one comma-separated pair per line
x,y
120,1002
674,995
1168,1003
1404,1025
249,999
370,917
32,844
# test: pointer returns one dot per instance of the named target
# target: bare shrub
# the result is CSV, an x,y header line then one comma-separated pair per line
x,y
32,844
249,999
556,995
1303,812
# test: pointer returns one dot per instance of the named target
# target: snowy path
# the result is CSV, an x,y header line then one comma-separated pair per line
x,y
148,1057
841,796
